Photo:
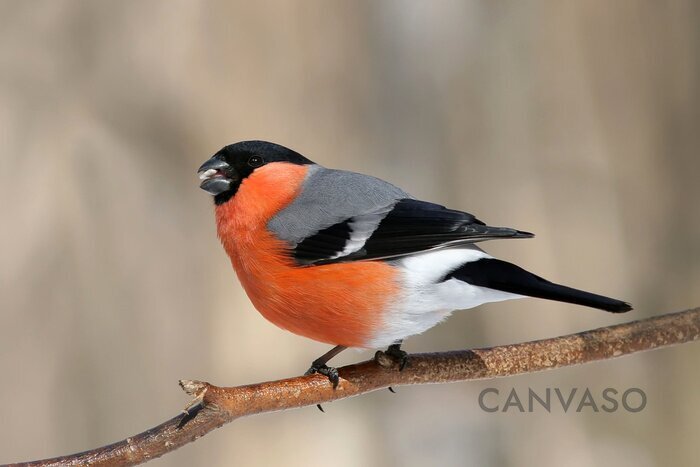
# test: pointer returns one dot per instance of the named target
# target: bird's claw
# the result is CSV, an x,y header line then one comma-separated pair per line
x,y
392,355
328,371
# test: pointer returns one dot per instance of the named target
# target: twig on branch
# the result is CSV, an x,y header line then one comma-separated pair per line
x,y
214,406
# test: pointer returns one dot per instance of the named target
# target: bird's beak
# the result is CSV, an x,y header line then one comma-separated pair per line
x,y
217,176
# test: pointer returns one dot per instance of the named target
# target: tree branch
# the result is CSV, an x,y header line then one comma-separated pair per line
x,y
214,406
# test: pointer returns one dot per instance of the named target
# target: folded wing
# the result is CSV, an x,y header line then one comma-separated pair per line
x,y
408,226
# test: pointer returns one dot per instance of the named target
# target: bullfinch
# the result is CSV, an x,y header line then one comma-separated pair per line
x,y
354,261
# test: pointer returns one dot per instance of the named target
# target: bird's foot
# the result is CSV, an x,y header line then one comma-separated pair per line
x,y
319,366
392,356
328,371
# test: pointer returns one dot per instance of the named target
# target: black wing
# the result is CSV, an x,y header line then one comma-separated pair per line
x,y
408,227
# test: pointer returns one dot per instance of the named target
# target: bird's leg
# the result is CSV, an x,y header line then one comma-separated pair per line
x,y
319,365
395,354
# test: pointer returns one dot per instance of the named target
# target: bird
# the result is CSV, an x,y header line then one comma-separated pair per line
x,y
353,261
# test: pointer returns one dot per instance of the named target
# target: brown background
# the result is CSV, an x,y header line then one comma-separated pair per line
x,y
575,120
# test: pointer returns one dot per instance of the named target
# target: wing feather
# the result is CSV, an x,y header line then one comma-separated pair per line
x,y
407,227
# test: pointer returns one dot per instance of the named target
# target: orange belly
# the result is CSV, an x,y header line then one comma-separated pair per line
x,y
340,304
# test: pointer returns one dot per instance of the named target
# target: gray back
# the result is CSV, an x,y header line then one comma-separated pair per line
x,y
331,196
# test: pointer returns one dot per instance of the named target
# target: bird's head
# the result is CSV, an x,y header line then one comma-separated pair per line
x,y
223,174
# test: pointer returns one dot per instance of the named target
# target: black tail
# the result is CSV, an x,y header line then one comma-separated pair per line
x,y
507,277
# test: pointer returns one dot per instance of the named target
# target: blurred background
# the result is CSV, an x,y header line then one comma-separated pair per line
x,y
578,121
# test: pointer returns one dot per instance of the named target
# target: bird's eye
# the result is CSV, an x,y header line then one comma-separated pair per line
x,y
255,161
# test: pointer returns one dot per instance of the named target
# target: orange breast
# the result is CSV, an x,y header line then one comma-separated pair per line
x,y
339,304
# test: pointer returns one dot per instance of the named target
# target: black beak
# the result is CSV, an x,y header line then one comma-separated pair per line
x,y
217,176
